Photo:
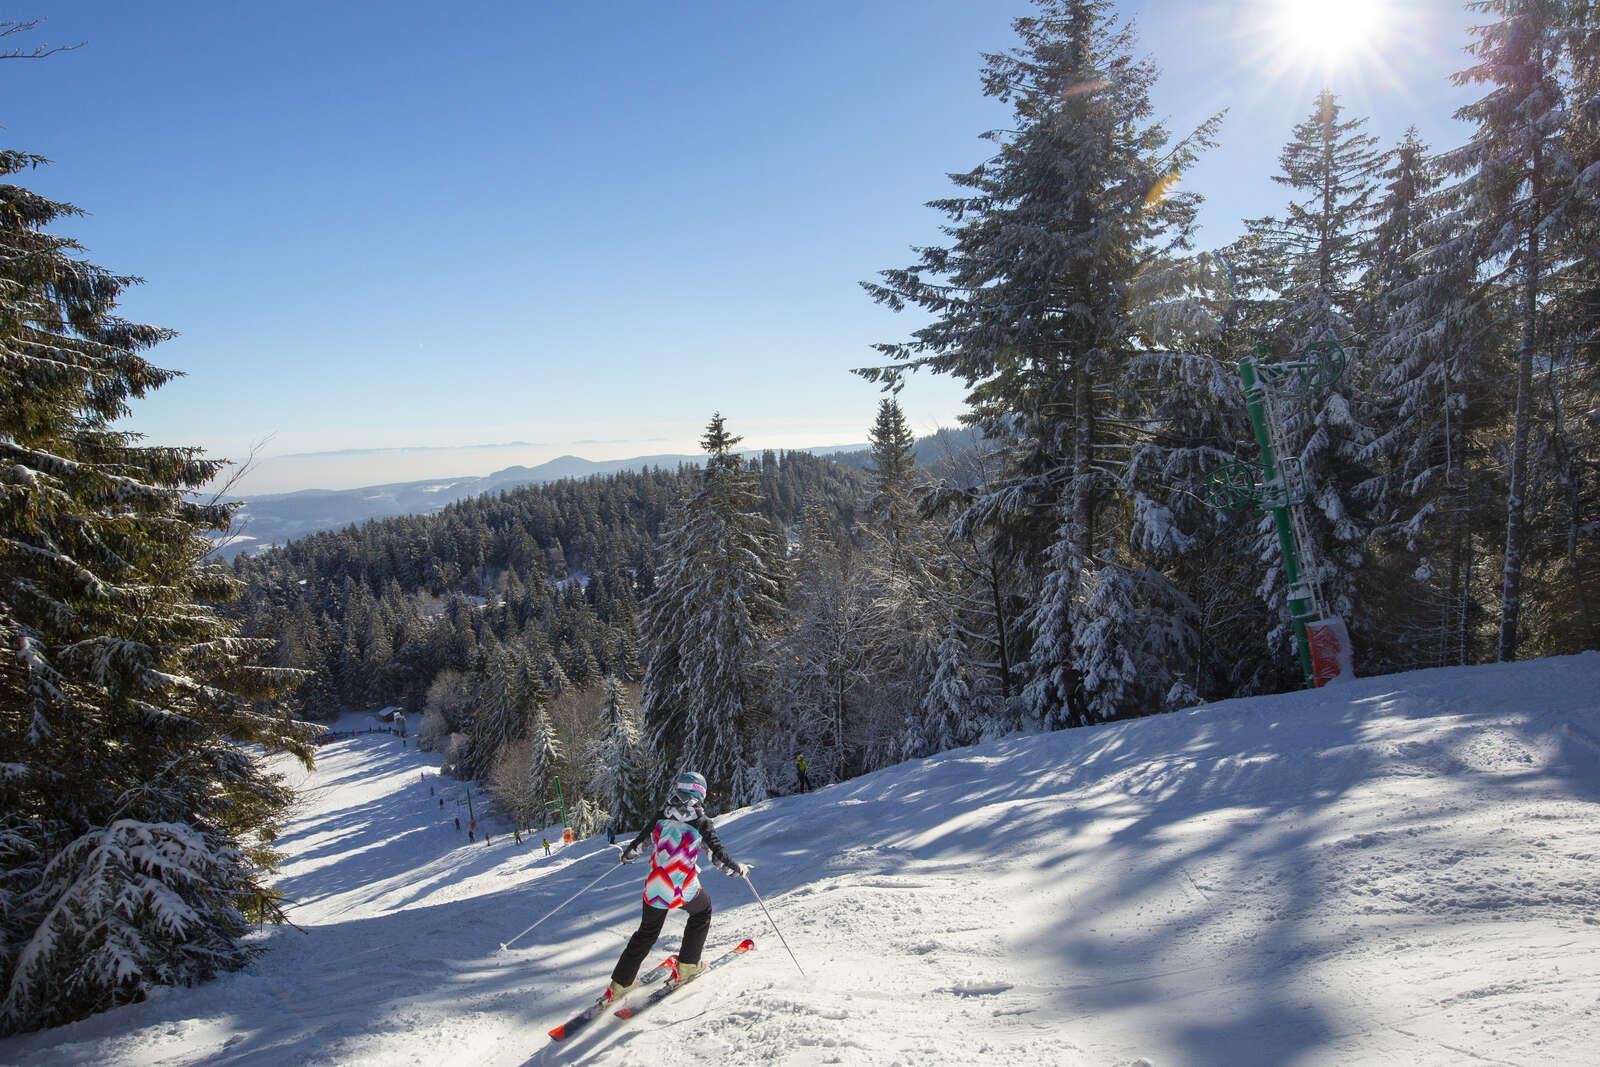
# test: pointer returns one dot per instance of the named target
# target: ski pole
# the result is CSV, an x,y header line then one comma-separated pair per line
x,y
775,929
609,871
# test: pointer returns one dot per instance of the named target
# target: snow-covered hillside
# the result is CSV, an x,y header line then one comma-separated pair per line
x,y
1400,870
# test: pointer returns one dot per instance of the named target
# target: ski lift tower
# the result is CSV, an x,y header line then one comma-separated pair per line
x,y
567,837
1322,641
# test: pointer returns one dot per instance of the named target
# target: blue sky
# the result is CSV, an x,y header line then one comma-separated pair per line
x,y
582,226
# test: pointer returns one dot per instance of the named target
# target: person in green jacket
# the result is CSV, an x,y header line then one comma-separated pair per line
x,y
800,765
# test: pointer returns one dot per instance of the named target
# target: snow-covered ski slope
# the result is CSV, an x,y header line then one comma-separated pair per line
x,y
1398,870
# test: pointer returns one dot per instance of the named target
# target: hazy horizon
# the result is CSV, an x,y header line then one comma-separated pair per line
x,y
358,468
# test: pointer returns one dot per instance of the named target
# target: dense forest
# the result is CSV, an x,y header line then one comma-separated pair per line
x,y
502,618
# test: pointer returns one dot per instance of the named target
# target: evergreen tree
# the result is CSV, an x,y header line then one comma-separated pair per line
x,y
614,764
1031,305
894,465
134,814
545,763
1308,262
377,652
500,713
551,676
1430,337
951,716
584,817
1515,194
707,626
1183,559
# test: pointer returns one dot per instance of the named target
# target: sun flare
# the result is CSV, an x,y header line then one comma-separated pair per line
x,y
1332,32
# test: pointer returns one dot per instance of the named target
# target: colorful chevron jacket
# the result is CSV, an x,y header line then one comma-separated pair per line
x,y
674,877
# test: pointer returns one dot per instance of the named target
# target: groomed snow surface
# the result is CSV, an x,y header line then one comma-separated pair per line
x,y
1398,870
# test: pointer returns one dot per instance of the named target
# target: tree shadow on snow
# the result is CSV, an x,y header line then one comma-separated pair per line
x,y
1182,855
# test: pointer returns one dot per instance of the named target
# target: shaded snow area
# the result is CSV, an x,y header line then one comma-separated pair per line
x,y
1397,870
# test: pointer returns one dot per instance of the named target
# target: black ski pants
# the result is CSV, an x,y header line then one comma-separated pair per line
x,y
644,938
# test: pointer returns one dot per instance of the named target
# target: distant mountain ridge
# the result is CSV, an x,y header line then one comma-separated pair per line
x,y
275,518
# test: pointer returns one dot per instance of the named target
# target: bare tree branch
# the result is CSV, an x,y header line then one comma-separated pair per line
x,y
236,472
13,28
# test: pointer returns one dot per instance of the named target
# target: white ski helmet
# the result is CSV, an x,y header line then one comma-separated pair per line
x,y
688,788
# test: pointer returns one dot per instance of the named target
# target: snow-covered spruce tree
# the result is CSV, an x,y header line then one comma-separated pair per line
x,y
1305,270
706,685
377,652
904,589
134,819
952,715
1030,305
1430,341
1515,194
552,677
894,465
500,713
613,762
584,818
1183,550
544,763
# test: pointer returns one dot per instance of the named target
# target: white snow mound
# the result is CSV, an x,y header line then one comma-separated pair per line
x,y
1395,870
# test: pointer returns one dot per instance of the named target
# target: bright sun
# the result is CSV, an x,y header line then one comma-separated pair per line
x,y
1332,32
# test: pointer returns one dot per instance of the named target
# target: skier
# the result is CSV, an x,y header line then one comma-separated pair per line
x,y
674,881
800,765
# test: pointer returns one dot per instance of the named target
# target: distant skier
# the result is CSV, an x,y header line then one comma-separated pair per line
x,y
800,766
674,881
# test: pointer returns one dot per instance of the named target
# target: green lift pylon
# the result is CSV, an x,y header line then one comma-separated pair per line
x,y
1233,487
561,802
1275,498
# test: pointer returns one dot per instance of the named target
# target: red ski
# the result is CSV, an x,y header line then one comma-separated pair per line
x,y
627,1012
666,968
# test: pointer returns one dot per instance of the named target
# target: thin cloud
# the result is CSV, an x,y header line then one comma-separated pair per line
x,y
402,449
